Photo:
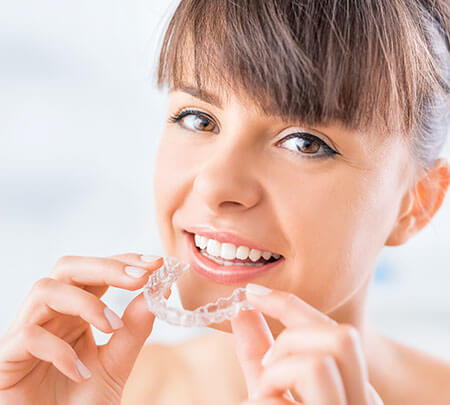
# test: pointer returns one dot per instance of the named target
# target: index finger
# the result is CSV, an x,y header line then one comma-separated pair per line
x,y
96,274
288,308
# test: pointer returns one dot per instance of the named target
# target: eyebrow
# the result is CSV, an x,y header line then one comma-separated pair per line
x,y
204,95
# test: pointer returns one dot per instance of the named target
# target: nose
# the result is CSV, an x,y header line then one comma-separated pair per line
x,y
227,180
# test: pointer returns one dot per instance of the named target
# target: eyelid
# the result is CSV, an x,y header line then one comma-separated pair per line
x,y
312,131
196,111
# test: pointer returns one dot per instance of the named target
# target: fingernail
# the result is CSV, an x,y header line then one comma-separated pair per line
x,y
83,370
135,272
149,258
265,359
257,289
113,319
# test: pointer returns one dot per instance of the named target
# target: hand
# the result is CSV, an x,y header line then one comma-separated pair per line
x,y
39,352
321,360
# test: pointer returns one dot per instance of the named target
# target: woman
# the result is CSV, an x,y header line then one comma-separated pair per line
x,y
307,132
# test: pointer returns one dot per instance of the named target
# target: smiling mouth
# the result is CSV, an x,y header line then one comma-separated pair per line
x,y
228,271
247,262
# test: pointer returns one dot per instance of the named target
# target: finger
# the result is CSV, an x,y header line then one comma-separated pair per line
x,y
98,273
287,307
122,350
374,396
49,297
132,259
34,341
315,378
252,340
342,342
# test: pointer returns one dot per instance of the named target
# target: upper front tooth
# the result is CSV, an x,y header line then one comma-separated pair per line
x,y
228,251
276,255
213,247
267,255
254,255
242,252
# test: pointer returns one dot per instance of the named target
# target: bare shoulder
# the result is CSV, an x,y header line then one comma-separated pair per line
x,y
412,376
149,373
430,373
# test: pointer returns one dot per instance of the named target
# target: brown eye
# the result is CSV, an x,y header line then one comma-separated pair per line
x,y
198,122
308,145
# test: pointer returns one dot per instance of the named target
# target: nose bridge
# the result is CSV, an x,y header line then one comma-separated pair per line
x,y
227,175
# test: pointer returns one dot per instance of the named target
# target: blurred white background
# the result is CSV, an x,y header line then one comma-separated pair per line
x,y
80,122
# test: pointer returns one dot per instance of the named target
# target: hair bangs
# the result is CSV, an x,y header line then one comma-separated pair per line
x,y
303,61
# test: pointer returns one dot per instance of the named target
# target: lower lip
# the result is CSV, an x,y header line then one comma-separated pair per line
x,y
224,274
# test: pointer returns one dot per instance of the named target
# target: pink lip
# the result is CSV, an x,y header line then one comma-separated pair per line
x,y
225,236
223,274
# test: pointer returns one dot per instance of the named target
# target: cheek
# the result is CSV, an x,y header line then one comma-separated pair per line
x,y
168,188
337,223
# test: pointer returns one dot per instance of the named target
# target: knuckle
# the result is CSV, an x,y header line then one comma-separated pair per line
x,y
62,263
28,332
346,337
289,303
322,365
64,260
291,300
283,337
42,284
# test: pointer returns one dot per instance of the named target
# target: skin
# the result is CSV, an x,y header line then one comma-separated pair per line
x,y
329,218
238,179
38,353
230,172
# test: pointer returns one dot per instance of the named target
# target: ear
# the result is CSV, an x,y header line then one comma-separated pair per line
x,y
421,203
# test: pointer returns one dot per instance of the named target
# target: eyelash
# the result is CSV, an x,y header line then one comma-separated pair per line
x,y
328,151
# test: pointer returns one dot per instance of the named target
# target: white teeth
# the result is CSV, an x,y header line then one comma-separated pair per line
x,y
203,242
227,263
213,247
242,252
254,255
229,251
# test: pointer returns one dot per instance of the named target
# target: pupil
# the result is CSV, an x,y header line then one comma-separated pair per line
x,y
306,146
203,122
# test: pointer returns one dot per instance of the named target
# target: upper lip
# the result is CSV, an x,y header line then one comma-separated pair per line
x,y
225,236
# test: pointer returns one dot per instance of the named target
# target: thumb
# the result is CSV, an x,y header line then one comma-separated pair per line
x,y
252,340
120,353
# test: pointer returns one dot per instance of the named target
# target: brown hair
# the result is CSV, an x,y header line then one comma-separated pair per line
x,y
368,64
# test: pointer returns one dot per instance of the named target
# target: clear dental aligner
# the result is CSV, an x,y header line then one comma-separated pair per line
x,y
160,282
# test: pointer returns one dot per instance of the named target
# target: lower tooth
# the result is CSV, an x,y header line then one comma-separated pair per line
x,y
228,263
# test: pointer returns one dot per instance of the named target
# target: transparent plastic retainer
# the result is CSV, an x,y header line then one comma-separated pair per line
x,y
160,282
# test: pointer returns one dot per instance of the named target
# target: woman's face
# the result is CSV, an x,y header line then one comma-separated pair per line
x,y
231,167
